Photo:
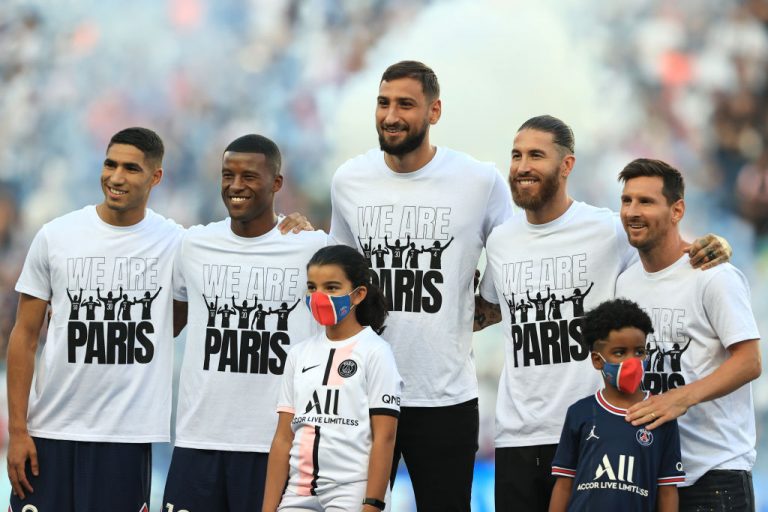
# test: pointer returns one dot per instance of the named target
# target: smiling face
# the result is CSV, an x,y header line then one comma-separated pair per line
x,y
127,178
248,186
538,169
646,214
403,115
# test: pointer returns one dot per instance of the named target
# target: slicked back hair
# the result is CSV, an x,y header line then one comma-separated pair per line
x,y
253,143
562,135
674,185
144,139
418,71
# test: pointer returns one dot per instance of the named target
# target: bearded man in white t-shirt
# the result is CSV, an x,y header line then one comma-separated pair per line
x,y
705,344
80,438
568,253
409,197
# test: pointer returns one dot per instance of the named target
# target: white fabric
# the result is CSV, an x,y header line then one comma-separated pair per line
x,y
112,381
703,313
583,246
431,311
336,386
230,405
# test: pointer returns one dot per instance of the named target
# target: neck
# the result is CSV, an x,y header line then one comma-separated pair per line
x,y
622,400
552,210
344,329
254,227
120,218
412,161
663,254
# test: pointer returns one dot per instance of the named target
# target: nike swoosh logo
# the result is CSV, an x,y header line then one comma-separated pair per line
x,y
307,369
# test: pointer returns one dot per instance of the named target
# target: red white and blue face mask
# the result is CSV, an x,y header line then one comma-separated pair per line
x,y
625,376
329,309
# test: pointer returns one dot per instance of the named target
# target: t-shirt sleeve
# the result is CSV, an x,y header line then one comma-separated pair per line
x,y
498,207
384,385
285,399
487,288
341,232
727,304
567,454
628,255
35,278
179,283
671,467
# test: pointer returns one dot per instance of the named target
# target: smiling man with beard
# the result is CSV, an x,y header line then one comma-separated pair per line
x,y
230,375
411,192
558,248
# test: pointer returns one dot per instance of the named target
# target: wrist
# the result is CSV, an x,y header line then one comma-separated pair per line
x,y
374,503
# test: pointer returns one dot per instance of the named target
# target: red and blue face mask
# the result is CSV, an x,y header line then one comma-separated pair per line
x,y
329,309
625,376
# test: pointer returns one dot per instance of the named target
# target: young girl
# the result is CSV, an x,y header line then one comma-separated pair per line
x,y
340,398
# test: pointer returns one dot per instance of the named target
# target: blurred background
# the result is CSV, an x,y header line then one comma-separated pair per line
x,y
683,81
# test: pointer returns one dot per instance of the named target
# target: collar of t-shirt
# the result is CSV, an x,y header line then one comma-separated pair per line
x,y
565,217
428,169
243,239
661,274
346,342
119,229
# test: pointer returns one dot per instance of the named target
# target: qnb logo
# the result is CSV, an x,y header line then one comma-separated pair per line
x,y
624,470
390,399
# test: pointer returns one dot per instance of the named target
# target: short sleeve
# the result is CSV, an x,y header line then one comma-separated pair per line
x,y
179,283
487,288
498,207
35,278
727,305
341,232
285,398
628,255
671,466
567,454
384,384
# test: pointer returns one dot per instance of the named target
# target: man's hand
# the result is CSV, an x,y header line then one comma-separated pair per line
x,y
20,448
486,313
295,222
709,251
658,409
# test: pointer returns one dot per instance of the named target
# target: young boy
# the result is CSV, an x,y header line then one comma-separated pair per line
x,y
602,461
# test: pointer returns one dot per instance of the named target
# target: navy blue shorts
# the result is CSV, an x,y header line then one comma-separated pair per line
x,y
83,476
208,480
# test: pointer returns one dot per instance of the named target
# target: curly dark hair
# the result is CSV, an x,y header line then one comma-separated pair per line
x,y
613,315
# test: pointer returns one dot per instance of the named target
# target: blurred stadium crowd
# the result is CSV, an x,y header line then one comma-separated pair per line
x,y
212,70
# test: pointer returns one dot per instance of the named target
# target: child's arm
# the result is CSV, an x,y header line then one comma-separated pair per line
x,y
383,428
277,467
666,500
561,493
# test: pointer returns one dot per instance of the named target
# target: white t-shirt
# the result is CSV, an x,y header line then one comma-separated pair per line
x,y
545,277
445,210
332,388
105,370
245,312
696,316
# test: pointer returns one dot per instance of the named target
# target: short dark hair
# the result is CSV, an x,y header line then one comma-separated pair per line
x,y
373,309
674,185
613,315
418,71
144,139
562,134
253,143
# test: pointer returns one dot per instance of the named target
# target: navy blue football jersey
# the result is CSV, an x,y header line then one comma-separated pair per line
x,y
615,466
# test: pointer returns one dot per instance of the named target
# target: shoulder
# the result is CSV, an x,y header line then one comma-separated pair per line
x,y
312,239
159,222
502,232
467,164
359,164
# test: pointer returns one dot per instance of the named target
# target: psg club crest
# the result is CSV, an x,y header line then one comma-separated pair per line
x,y
644,437
347,368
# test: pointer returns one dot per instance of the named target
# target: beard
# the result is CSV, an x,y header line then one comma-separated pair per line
x,y
549,185
410,143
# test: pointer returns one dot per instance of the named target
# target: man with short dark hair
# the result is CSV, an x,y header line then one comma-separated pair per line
x,y
703,321
560,247
411,191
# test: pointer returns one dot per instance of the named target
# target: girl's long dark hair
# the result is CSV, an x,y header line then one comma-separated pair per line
x,y
373,309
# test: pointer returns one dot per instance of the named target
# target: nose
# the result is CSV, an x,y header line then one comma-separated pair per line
x,y
391,116
118,175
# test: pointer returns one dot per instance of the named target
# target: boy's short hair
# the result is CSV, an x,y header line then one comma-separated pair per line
x,y
613,315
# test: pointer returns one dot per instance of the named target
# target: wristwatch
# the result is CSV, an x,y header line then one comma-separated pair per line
x,y
374,503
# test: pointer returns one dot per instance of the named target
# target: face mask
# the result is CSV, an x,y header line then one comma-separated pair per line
x,y
626,376
329,309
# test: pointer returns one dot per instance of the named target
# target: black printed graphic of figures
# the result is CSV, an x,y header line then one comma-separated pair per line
x,y
379,253
74,305
109,303
124,311
512,307
412,255
146,304
675,354
523,307
90,308
578,300
282,314
397,253
554,307
538,303
212,308
260,317
436,251
225,313
366,249
244,312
